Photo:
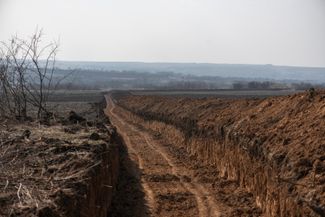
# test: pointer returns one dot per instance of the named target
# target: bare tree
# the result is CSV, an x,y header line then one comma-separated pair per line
x,y
12,77
41,89
26,75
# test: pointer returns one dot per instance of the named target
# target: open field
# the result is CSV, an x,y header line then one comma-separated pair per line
x,y
222,93
76,96
84,102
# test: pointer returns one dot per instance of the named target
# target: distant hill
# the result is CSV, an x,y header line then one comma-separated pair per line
x,y
288,73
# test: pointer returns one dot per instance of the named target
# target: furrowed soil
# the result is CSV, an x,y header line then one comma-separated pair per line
x,y
221,157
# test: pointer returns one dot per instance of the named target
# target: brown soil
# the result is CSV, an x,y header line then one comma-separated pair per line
x,y
269,152
173,184
59,169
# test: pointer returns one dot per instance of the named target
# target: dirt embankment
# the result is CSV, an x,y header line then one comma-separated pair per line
x,y
172,183
68,167
273,147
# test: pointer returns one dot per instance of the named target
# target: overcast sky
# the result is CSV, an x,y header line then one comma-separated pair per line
x,y
282,32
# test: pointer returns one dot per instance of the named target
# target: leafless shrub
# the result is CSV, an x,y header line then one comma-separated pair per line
x,y
26,75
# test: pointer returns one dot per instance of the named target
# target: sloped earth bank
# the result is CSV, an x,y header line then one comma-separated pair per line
x,y
68,167
168,181
240,154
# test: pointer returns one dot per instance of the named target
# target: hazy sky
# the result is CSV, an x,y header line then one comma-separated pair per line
x,y
283,32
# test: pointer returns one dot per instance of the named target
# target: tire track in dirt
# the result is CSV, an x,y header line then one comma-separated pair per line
x,y
134,139
202,206
205,203
133,154
149,192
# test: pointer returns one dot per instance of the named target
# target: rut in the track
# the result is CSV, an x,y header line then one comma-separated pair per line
x,y
206,203
169,192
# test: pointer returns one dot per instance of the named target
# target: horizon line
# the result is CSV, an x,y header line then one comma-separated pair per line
x,y
170,62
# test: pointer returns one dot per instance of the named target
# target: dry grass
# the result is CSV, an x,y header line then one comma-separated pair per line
x,y
39,171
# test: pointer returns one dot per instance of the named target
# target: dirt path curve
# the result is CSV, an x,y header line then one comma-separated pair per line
x,y
168,190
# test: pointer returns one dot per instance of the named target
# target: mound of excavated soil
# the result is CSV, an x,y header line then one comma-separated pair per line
x,y
281,134
58,170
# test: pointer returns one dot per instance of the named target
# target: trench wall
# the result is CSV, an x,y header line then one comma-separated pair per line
x,y
95,198
237,157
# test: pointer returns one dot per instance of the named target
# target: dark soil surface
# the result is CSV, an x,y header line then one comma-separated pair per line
x,y
221,93
46,169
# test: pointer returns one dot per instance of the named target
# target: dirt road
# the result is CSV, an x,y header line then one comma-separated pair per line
x,y
168,186
160,178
